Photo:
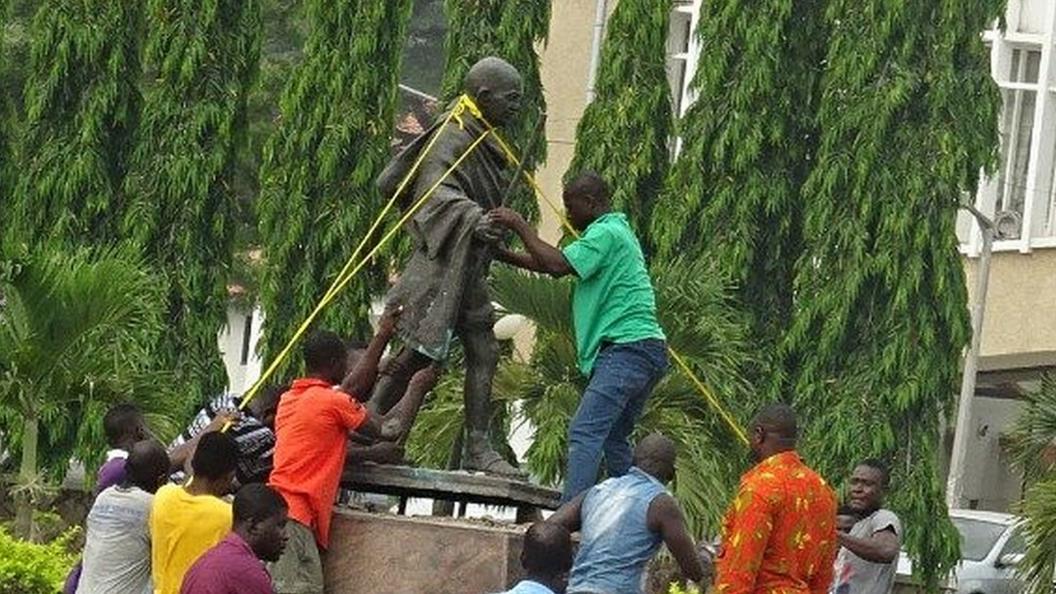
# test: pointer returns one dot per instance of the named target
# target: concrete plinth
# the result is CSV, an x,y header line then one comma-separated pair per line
x,y
387,554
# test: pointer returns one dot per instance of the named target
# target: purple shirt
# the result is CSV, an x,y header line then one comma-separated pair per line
x,y
110,474
230,567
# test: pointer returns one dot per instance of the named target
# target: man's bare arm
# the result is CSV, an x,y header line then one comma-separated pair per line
x,y
546,258
360,381
881,547
398,422
665,518
180,456
568,515
518,259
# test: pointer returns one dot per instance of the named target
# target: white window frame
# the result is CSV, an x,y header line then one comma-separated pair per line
x,y
1041,164
688,59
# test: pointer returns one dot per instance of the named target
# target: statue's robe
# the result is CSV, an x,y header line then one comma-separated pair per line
x,y
443,289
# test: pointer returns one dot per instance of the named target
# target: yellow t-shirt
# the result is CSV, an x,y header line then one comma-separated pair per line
x,y
182,527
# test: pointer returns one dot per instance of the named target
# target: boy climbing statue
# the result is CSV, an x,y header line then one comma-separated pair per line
x,y
443,289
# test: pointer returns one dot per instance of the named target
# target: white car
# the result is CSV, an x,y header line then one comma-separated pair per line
x,y
991,546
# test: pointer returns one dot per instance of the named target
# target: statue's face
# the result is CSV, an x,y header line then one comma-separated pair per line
x,y
501,104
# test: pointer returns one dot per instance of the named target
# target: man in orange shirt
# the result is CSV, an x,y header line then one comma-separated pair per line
x,y
312,428
779,536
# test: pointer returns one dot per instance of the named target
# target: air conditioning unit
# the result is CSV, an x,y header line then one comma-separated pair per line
x,y
1008,224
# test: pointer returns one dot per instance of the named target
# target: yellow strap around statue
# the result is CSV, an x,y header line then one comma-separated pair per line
x,y
351,268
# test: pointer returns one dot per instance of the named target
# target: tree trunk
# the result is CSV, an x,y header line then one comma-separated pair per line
x,y
26,476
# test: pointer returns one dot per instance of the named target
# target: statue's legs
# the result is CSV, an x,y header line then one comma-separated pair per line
x,y
392,381
482,358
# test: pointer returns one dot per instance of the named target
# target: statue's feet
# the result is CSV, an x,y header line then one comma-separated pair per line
x,y
489,461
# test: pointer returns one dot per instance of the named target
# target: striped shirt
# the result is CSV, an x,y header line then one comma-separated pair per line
x,y
256,443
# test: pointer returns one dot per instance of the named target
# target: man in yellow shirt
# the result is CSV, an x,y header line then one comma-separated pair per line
x,y
186,521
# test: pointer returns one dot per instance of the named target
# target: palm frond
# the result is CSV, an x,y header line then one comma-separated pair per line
x,y
546,301
1039,512
1034,433
76,333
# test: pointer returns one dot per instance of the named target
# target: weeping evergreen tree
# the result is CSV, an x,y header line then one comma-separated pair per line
x,y
5,123
318,197
625,132
201,58
15,17
733,195
81,104
509,29
908,118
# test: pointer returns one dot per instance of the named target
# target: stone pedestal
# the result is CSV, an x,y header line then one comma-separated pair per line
x,y
388,554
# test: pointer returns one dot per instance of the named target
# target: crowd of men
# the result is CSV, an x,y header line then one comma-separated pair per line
x,y
783,532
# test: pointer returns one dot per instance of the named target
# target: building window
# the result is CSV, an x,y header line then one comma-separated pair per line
x,y
1021,195
682,53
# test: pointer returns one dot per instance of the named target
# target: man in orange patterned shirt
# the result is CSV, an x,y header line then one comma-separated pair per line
x,y
779,536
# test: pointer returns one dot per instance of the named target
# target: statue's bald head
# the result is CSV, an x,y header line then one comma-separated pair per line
x,y
656,454
496,86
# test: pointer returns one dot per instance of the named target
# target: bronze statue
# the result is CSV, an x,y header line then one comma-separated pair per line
x,y
443,289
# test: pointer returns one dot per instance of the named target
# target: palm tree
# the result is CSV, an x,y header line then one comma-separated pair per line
x,y
700,324
1033,447
75,335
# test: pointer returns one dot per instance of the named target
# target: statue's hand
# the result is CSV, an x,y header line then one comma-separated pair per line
x,y
506,217
487,232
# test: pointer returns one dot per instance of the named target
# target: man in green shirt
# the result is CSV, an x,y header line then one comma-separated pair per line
x,y
619,343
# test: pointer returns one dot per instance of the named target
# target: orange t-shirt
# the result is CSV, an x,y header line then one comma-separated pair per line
x,y
311,438
779,536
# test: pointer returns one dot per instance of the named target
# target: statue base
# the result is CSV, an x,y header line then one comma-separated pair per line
x,y
459,487
387,554
396,554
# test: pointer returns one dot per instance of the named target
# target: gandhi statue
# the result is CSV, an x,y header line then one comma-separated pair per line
x,y
443,290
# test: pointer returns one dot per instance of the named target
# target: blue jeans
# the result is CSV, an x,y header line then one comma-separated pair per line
x,y
622,379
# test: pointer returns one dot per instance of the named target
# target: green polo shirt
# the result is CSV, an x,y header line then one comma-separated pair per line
x,y
613,300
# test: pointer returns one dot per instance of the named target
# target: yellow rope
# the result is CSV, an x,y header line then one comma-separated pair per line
x,y
350,269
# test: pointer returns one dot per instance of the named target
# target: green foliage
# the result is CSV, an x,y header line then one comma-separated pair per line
x,y
733,195
15,19
76,333
283,31
201,58
700,324
1031,446
511,30
318,196
81,105
28,568
625,131
907,119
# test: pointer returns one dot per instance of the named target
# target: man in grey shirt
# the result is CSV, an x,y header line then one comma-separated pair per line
x,y
868,555
117,545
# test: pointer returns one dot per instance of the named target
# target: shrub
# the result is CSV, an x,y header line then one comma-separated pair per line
x,y
28,568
